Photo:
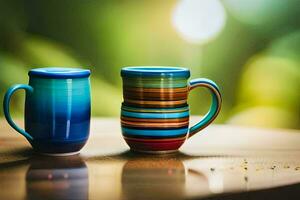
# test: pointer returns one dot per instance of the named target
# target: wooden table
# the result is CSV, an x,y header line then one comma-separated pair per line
x,y
227,161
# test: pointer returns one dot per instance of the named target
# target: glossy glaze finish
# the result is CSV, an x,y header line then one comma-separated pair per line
x,y
155,113
57,109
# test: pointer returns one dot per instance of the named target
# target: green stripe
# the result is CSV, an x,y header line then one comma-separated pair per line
x,y
155,82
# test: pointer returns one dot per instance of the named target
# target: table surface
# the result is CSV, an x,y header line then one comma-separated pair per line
x,y
222,161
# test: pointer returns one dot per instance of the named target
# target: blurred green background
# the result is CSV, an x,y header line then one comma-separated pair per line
x,y
250,48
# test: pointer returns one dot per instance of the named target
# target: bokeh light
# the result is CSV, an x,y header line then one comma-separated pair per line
x,y
287,46
199,21
269,93
265,16
255,11
265,116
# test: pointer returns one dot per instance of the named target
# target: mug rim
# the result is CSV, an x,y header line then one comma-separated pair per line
x,y
59,72
147,71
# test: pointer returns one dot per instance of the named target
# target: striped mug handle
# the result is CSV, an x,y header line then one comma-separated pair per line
x,y
215,106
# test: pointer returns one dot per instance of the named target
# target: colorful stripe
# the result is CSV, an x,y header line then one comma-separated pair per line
x,y
154,114
161,133
155,110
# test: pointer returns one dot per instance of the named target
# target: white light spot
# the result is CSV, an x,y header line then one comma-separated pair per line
x,y
199,21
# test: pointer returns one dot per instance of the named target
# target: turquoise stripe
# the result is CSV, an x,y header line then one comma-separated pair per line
x,y
140,132
155,71
155,115
159,82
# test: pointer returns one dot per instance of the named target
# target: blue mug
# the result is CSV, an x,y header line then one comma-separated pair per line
x,y
57,109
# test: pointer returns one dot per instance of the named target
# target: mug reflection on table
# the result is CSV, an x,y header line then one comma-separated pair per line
x,y
57,109
57,178
154,178
155,113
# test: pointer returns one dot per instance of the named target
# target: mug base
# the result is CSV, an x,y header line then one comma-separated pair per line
x,y
57,148
155,152
59,154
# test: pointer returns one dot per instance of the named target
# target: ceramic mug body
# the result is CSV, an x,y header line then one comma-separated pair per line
x,y
57,109
155,112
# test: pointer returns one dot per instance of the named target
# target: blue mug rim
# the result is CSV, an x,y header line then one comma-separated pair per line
x,y
59,72
155,71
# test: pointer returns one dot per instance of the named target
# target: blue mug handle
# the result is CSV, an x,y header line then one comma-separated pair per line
x,y
6,103
214,108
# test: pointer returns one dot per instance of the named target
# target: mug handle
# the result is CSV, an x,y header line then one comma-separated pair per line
x,y
214,108
6,103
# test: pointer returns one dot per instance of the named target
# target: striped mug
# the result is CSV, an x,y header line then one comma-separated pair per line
x,y
57,109
155,113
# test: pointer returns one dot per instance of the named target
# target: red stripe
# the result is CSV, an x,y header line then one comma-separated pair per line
x,y
154,146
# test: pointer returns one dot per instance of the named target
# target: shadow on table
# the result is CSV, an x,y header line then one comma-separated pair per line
x,y
129,155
